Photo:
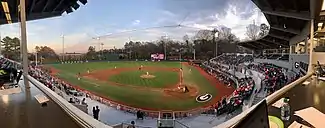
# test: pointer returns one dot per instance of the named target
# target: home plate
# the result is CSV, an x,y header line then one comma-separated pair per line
x,y
41,98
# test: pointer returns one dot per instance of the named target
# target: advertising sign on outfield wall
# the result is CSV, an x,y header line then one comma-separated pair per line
x,y
157,56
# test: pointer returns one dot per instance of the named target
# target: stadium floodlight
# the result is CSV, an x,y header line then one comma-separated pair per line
x,y
216,34
8,16
320,24
5,7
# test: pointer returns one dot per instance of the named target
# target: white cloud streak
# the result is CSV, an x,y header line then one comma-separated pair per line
x,y
136,22
234,14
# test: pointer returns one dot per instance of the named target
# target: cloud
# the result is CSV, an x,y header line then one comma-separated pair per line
x,y
195,15
136,22
234,14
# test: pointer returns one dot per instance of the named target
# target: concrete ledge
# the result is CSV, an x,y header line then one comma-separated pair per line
x,y
79,116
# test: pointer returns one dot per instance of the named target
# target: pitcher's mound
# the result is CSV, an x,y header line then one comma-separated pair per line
x,y
147,76
179,92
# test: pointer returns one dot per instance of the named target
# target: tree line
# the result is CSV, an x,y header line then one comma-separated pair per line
x,y
203,44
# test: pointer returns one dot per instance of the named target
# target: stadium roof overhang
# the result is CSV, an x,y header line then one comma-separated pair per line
x,y
287,18
36,9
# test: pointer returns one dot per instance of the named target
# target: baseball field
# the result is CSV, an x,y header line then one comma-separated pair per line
x,y
145,85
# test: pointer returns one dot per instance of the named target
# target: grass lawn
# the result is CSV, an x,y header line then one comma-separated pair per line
x,y
135,97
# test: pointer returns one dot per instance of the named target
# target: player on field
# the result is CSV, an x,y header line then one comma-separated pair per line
x,y
79,76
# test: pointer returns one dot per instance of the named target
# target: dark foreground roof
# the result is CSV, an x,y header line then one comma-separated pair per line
x,y
39,9
287,18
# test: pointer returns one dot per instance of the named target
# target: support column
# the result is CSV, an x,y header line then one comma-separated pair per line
x,y
306,46
24,42
290,50
311,46
0,42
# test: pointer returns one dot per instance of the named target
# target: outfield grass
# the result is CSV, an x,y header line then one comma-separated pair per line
x,y
135,97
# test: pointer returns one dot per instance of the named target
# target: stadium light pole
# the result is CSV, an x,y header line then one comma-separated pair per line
x,y
215,34
194,54
24,42
98,39
36,58
102,44
62,47
165,46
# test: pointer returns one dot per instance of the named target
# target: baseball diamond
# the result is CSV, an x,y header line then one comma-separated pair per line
x,y
145,85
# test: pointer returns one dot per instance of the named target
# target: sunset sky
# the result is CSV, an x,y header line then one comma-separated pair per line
x,y
116,17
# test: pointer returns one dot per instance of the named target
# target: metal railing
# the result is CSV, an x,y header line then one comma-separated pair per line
x,y
125,125
178,124
269,100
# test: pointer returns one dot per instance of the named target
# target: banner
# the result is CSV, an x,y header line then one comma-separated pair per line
x,y
157,56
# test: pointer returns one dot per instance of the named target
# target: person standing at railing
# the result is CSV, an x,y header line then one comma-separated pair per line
x,y
96,113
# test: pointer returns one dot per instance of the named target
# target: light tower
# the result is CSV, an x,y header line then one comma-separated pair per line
x,y
215,33
165,38
62,36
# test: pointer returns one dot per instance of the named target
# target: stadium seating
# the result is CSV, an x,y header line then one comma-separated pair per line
x,y
243,86
222,67
233,59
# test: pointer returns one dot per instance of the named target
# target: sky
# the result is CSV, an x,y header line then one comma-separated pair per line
x,y
118,21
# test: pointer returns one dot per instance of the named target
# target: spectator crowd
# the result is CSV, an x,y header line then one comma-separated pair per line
x,y
233,102
275,77
233,59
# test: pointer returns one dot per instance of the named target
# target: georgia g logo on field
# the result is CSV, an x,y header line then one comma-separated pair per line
x,y
204,97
